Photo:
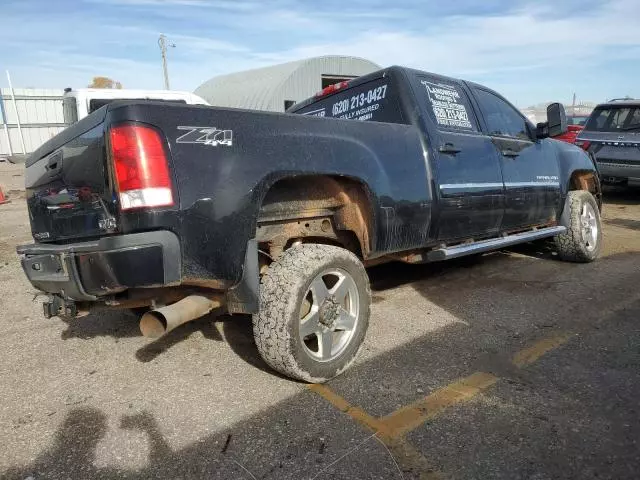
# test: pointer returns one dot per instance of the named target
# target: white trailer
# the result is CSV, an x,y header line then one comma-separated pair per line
x,y
80,102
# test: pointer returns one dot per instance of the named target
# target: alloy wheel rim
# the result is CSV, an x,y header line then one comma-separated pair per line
x,y
329,315
589,227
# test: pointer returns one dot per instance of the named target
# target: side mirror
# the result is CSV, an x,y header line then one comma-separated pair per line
x,y
556,119
542,130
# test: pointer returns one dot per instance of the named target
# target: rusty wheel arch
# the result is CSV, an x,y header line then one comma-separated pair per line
x,y
319,208
586,180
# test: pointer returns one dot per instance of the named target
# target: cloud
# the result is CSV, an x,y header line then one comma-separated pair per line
x,y
520,40
208,4
519,49
526,48
203,44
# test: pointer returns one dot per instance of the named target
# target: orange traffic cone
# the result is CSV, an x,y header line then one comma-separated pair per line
x,y
3,199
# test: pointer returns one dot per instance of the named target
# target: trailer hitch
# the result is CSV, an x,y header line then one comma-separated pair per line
x,y
57,306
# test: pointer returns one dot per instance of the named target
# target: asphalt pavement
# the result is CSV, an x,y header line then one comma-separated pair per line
x,y
508,365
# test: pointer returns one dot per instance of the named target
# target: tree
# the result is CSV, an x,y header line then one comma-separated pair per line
x,y
104,82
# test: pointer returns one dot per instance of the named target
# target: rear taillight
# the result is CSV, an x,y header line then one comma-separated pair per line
x,y
140,163
583,144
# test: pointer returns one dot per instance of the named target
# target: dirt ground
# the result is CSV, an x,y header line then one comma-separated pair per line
x,y
509,365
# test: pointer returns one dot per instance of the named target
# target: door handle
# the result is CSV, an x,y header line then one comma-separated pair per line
x,y
54,163
510,153
449,148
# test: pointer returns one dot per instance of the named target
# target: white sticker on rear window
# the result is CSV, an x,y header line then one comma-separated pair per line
x,y
360,106
446,104
320,112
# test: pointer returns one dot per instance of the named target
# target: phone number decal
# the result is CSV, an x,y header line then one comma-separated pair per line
x,y
447,106
358,101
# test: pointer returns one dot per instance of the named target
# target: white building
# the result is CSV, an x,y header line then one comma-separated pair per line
x,y
278,87
31,116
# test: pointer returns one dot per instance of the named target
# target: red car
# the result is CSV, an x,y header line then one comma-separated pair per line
x,y
576,124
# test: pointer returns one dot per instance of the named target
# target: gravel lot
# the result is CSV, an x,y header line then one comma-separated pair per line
x,y
92,399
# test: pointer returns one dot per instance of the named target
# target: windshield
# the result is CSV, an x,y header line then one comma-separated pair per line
x,y
614,119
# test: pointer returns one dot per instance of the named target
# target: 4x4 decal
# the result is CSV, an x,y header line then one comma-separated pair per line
x,y
206,136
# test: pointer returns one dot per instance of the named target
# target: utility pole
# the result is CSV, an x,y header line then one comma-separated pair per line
x,y
162,42
15,109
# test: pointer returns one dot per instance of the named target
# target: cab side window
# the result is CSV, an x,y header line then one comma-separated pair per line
x,y
501,118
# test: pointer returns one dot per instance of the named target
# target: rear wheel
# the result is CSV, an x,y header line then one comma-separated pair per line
x,y
582,242
314,312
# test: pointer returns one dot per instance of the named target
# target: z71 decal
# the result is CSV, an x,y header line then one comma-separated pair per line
x,y
206,136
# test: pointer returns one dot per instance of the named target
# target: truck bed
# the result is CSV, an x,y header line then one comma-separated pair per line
x,y
222,162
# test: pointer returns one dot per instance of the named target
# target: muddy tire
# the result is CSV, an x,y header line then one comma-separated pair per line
x,y
582,242
314,312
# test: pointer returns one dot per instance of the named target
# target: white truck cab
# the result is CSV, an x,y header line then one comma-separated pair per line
x,y
80,102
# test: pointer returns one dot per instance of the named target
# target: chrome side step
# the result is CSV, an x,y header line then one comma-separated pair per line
x,y
492,244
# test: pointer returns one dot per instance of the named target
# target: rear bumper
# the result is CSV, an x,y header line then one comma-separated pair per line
x,y
85,271
619,169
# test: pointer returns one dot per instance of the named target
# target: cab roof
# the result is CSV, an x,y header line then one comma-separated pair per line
x,y
623,102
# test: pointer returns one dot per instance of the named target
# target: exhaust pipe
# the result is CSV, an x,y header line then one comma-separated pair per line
x,y
160,321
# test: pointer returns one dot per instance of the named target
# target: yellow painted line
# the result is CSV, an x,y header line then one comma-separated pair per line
x,y
330,396
390,430
411,460
406,456
359,415
530,354
412,416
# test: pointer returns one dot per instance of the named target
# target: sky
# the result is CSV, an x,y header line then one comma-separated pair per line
x,y
530,51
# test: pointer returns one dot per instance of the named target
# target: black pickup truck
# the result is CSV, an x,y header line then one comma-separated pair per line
x,y
180,210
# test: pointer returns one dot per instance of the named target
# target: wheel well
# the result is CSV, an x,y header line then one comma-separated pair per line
x,y
319,208
585,180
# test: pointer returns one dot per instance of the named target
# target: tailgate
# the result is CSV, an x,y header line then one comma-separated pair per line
x,y
621,147
69,194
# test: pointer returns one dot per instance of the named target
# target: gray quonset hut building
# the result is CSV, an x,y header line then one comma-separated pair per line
x,y
278,87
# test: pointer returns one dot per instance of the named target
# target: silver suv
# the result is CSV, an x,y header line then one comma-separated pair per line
x,y
612,136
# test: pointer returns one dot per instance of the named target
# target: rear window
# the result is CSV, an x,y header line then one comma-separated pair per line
x,y
373,101
614,119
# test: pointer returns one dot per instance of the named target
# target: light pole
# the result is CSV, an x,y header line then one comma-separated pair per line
x,y
162,42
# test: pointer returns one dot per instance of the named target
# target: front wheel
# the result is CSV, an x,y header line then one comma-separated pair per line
x,y
314,312
582,242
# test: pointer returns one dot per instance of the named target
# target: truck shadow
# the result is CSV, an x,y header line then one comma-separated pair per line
x,y
235,330
116,324
124,324
624,223
157,347
507,287
629,195
238,333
